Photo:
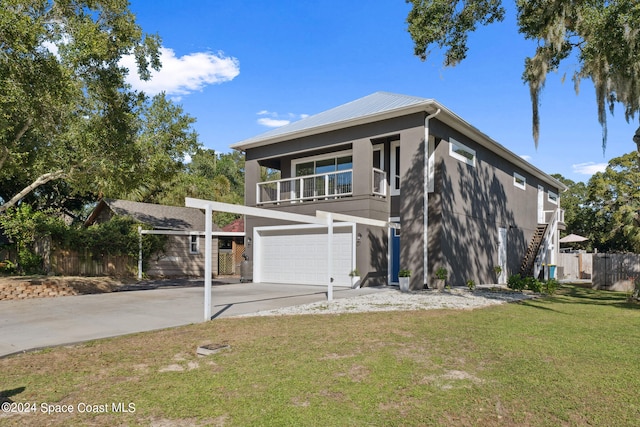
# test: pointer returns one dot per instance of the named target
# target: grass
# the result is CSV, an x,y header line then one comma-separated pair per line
x,y
570,359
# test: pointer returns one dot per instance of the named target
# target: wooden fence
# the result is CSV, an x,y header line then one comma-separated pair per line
x,y
611,271
70,263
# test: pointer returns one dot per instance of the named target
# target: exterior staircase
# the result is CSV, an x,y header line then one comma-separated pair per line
x,y
526,268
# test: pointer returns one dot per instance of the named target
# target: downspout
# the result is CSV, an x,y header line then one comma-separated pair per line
x,y
425,213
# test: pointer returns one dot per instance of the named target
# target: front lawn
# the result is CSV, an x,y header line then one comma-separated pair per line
x,y
570,359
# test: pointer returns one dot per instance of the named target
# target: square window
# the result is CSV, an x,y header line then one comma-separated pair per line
x,y
553,197
519,181
461,152
194,246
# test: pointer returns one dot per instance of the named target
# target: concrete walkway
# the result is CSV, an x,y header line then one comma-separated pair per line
x,y
44,322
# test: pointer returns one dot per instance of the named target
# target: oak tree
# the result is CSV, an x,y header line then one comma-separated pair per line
x,y
66,111
601,36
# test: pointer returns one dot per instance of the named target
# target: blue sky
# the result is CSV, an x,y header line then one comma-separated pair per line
x,y
244,66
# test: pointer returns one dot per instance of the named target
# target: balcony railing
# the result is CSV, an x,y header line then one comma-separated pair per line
x,y
309,187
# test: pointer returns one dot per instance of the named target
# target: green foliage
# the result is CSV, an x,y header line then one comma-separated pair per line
x,y
67,112
533,284
471,284
550,286
441,273
598,39
497,270
354,273
614,202
516,282
25,226
210,176
607,209
404,273
446,24
118,236
7,267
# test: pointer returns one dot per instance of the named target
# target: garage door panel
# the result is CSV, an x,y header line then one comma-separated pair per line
x,y
301,257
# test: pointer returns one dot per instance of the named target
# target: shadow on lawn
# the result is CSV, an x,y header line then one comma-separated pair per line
x,y
581,295
569,294
6,394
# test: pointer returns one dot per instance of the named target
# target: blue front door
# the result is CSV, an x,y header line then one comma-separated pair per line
x,y
395,255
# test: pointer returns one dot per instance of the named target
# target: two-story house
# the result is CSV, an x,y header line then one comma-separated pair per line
x,y
464,202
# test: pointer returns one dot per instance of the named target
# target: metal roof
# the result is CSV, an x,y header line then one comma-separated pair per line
x,y
371,106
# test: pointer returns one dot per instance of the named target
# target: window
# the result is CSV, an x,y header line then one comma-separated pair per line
x,y
194,246
225,244
519,181
323,175
553,197
378,156
461,152
395,168
323,164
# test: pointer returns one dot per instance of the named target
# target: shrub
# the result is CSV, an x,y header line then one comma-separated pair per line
x,y
516,282
404,273
471,284
550,286
533,284
441,273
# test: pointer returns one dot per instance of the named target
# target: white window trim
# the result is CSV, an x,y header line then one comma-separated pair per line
x,y
395,191
552,197
197,242
380,148
516,177
463,159
332,155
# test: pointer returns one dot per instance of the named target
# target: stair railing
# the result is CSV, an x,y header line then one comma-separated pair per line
x,y
547,242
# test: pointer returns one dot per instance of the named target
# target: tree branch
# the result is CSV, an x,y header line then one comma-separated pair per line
x,y
5,150
41,180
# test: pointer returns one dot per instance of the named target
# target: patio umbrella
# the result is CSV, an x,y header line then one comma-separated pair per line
x,y
572,238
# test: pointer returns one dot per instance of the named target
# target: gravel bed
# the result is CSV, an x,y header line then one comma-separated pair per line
x,y
394,300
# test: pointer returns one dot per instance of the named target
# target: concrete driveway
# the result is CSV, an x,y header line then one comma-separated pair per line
x,y
43,322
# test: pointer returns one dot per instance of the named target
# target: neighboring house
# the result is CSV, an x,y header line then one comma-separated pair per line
x,y
464,202
184,227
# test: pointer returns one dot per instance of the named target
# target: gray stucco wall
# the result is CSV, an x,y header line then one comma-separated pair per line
x,y
474,202
372,251
466,209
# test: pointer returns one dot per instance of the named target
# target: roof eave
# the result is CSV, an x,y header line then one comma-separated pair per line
x,y
456,122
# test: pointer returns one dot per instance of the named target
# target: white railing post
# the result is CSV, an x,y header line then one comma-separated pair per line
x,y
278,191
258,201
326,185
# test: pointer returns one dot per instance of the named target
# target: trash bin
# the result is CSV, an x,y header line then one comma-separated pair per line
x,y
552,272
246,271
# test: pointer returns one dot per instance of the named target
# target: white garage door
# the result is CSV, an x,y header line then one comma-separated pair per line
x,y
299,255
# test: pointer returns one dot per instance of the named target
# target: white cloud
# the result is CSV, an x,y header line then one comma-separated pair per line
x,y
526,157
272,123
276,120
183,75
589,168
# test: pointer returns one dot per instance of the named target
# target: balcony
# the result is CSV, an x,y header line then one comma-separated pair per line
x,y
332,185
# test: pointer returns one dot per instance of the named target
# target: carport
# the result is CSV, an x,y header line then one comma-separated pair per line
x,y
322,219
